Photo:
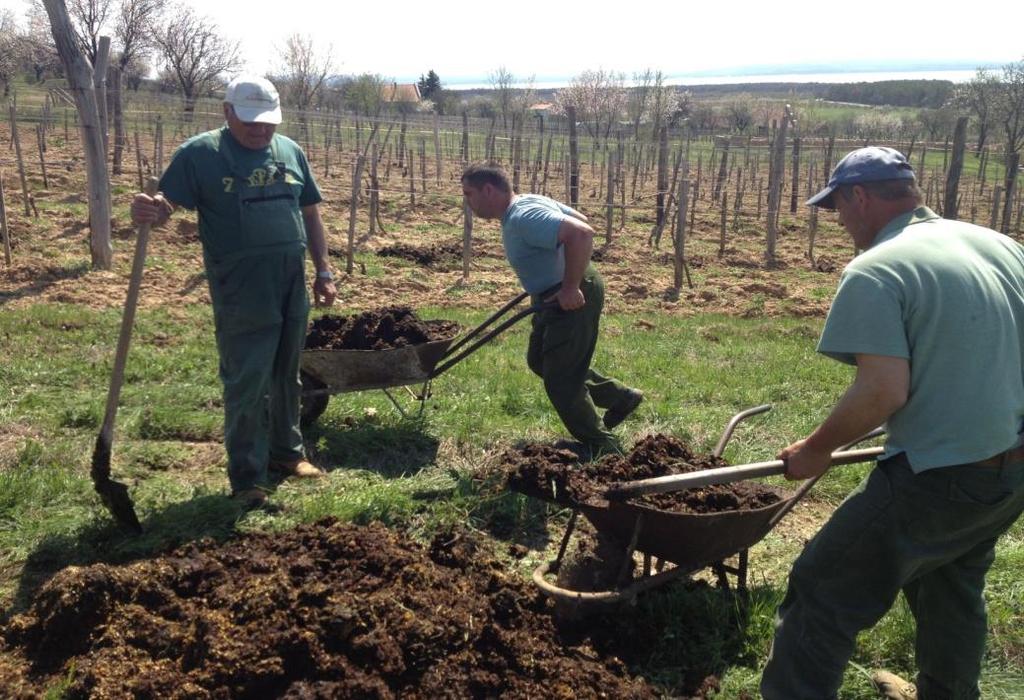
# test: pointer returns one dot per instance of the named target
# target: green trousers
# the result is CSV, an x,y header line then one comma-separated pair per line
x,y
560,351
260,308
931,535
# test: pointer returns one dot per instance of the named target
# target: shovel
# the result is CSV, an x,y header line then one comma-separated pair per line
x,y
725,475
114,494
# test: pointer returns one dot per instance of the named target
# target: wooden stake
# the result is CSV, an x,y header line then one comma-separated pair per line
x,y
21,163
353,206
138,160
374,190
4,230
609,202
574,159
41,143
951,199
467,239
437,149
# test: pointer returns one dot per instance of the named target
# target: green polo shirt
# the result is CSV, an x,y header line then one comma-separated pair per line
x,y
949,297
199,177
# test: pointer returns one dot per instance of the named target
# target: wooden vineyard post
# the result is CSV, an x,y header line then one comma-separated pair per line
x,y
547,161
951,200
722,170
423,165
465,138
693,207
721,229
609,202
374,190
659,210
41,143
794,192
99,77
353,206
574,159
997,195
412,182
680,238
158,147
467,238
775,176
21,163
517,152
437,148
138,160
4,230
401,140
540,152
118,122
1012,161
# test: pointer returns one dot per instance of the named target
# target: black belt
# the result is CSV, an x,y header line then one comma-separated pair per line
x,y
1014,454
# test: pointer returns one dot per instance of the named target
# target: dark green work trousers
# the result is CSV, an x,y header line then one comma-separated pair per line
x,y
931,535
560,351
260,308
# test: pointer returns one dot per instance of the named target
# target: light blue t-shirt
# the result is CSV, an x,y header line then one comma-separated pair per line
x,y
949,297
529,232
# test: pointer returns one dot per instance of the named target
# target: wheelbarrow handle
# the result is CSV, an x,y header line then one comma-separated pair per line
x,y
476,331
450,360
726,475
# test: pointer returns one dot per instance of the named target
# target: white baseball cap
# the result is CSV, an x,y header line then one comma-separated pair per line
x,y
254,99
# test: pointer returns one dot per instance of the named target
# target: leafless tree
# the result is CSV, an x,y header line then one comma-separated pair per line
x,y
977,96
195,53
1009,105
135,24
38,52
640,98
599,98
740,116
366,94
9,49
503,83
303,71
90,19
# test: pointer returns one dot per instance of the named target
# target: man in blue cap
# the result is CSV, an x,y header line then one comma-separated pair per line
x,y
931,314
258,214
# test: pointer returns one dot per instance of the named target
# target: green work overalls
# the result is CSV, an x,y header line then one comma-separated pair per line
x,y
561,347
260,308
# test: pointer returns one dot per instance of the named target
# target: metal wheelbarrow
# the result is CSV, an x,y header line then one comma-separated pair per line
x,y
328,372
688,542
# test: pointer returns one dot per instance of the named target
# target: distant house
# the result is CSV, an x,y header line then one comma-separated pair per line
x,y
408,93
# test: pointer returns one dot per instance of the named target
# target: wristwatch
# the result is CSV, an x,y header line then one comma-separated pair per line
x,y
325,275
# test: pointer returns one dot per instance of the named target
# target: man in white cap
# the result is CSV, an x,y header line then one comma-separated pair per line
x,y
258,213
932,316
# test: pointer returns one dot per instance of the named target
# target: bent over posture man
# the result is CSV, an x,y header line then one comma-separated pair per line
x,y
548,246
932,316
257,203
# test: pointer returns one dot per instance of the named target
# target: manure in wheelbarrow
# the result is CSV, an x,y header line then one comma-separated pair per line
x,y
326,610
377,329
556,475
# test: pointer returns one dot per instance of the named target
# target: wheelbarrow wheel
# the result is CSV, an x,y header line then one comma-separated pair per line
x,y
312,406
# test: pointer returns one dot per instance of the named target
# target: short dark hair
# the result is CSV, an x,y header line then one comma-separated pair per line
x,y
479,174
889,190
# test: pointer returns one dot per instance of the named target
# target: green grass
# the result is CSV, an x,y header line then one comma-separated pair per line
x,y
425,475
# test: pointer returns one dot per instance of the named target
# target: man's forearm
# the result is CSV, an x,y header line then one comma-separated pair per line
x,y
577,256
317,239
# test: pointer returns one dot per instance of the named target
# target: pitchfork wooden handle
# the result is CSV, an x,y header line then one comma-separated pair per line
x,y
725,475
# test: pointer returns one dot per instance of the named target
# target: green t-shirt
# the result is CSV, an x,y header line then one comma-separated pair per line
x,y
529,233
949,297
200,176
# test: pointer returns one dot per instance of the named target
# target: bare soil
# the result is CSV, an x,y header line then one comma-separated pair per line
x,y
438,254
378,329
328,610
556,475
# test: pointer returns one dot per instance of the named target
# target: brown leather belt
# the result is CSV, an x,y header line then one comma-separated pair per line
x,y
1014,454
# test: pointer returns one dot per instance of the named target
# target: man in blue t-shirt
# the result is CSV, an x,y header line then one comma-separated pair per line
x,y
258,213
548,246
931,314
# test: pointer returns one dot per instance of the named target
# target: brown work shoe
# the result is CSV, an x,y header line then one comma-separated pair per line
x,y
250,498
893,687
299,468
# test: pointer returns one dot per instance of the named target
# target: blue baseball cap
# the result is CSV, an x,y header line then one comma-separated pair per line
x,y
868,164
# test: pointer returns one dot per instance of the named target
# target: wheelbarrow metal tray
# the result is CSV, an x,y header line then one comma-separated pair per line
x,y
358,370
689,540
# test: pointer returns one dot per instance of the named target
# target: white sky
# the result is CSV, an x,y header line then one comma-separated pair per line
x,y
460,39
